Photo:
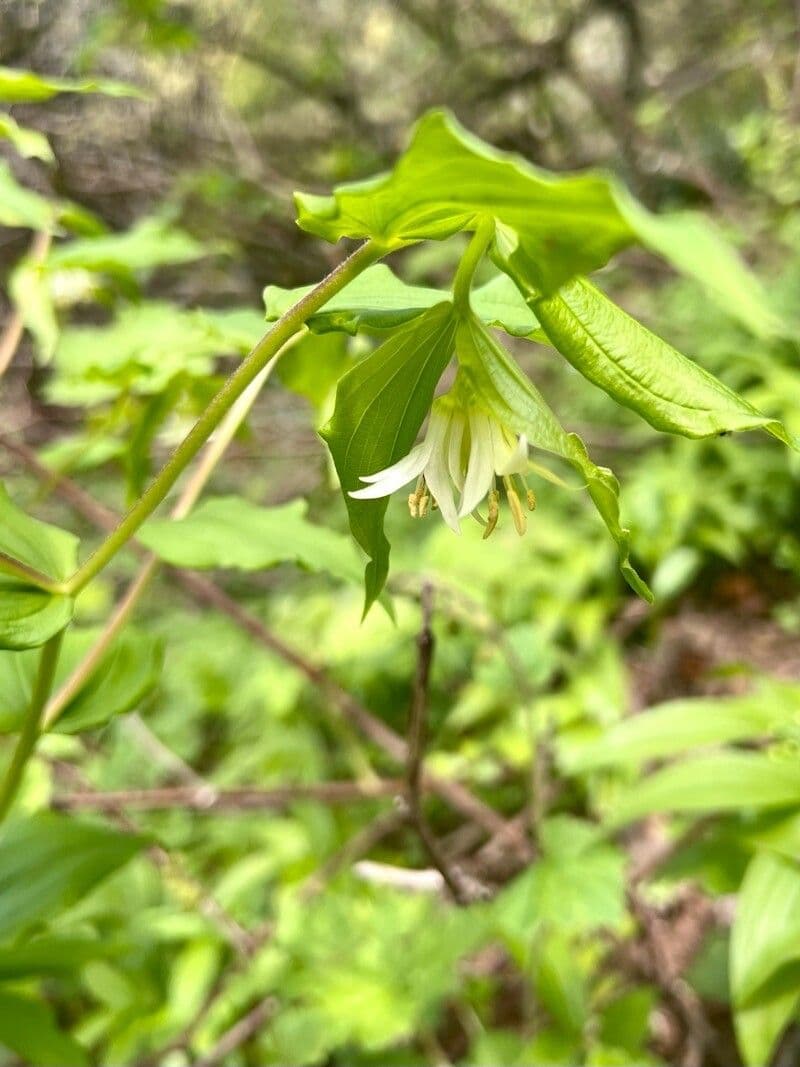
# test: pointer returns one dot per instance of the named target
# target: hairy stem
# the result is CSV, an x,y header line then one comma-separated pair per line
x,y
31,727
267,347
469,264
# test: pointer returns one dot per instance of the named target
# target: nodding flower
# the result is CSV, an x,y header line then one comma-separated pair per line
x,y
465,451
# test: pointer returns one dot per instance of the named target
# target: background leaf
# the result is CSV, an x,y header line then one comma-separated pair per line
x,y
28,1028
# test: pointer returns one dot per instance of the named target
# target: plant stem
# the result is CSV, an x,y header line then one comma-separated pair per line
x,y
189,495
31,726
266,348
469,263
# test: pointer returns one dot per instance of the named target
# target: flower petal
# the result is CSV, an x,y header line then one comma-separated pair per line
x,y
438,481
517,460
395,477
454,442
480,470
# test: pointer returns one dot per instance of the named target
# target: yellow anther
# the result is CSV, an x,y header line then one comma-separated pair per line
x,y
518,515
494,513
424,505
413,505
531,497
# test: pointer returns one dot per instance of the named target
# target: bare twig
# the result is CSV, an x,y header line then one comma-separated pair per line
x,y
415,754
241,1032
204,798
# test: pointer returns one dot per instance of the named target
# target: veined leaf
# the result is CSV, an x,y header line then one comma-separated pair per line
x,y
379,300
380,406
680,725
23,86
49,862
22,207
564,225
726,781
232,532
513,399
765,939
29,613
125,675
635,367
151,243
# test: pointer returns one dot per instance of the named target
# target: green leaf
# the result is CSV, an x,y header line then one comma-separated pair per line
x,y
564,225
378,300
312,366
679,725
125,675
28,1028
151,243
29,143
51,954
22,207
576,886
30,290
23,86
232,532
511,397
29,614
765,938
638,369
723,782
49,862
380,406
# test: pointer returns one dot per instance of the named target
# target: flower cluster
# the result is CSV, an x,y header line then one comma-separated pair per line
x,y
465,452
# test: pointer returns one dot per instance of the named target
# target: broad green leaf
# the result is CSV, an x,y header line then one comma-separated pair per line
x,y
563,225
728,781
23,86
232,532
576,886
379,300
448,179
502,388
638,369
380,406
51,954
49,862
680,725
765,938
313,365
151,243
143,350
29,143
28,1028
560,983
29,614
126,674
22,207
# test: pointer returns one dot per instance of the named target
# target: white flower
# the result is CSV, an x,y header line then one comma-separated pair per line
x,y
465,450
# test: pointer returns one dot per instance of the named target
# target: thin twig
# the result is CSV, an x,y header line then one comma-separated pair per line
x,y
415,754
205,798
241,1032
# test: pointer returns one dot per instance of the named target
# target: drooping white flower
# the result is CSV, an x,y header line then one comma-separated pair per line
x,y
465,450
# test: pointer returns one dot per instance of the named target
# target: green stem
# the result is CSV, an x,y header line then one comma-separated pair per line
x,y
32,724
267,347
469,263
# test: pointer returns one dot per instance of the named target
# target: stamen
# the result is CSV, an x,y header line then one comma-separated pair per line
x,y
424,505
494,513
417,501
518,515
531,497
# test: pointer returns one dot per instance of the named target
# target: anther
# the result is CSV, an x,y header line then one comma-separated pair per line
x,y
494,513
518,515
531,498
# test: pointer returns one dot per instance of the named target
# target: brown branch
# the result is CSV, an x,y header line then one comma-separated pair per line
x,y
242,1031
415,752
204,798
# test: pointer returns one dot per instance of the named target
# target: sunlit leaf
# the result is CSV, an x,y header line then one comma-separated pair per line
x,y
232,532
380,406
27,1027
765,939
23,86
22,207
150,243
29,143
727,781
